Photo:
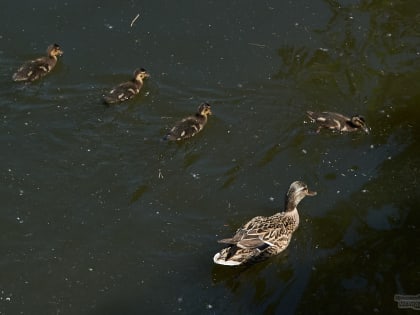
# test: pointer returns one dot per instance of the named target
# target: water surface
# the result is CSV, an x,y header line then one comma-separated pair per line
x,y
100,216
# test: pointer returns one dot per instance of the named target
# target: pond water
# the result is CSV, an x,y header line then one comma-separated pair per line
x,y
100,216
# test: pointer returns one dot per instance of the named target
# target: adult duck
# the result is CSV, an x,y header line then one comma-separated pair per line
x,y
264,237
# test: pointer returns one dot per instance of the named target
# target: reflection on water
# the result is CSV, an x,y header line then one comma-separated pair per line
x,y
102,217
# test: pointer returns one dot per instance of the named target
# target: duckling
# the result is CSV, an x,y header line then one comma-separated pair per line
x,y
126,90
336,121
191,125
263,237
35,69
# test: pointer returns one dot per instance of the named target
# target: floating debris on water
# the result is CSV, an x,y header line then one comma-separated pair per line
x,y
134,20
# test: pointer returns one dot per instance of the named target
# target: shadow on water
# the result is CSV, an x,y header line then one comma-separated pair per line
x,y
375,233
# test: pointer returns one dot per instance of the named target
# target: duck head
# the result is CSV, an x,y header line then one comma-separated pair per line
x,y
359,122
54,50
140,74
204,109
297,191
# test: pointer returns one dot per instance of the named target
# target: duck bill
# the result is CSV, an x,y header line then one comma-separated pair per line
x,y
311,193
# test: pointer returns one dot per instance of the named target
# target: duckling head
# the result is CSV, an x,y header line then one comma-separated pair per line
x,y
359,122
204,109
140,75
54,50
297,191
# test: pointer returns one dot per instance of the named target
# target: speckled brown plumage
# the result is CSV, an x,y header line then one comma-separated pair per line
x,y
339,122
263,237
35,69
191,125
126,90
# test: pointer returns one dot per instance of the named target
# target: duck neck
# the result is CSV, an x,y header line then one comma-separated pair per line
x,y
351,124
290,204
290,208
138,82
201,116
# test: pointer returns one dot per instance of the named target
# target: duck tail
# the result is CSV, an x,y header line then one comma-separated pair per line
x,y
310,114
108,100
221,258
169,137
19,76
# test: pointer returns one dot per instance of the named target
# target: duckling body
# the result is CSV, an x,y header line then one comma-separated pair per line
x,y
263,237
126,90
35,69
339,122
191,125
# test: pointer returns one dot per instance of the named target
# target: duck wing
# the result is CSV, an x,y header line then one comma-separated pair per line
x,y
245,239
122,92
34,69
186,128
259,233
253,247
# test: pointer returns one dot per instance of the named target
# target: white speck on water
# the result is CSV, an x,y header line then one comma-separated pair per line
x,y
271,198
372,146
304,151
338,191
364,190
20,192
195,175
90,269
389,158
209,306
109,26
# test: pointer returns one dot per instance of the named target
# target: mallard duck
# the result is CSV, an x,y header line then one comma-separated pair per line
x,y
34,69
263,237
191,125
336,121
126,90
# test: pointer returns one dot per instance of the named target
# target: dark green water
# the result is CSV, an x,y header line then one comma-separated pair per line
x,y
99,216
